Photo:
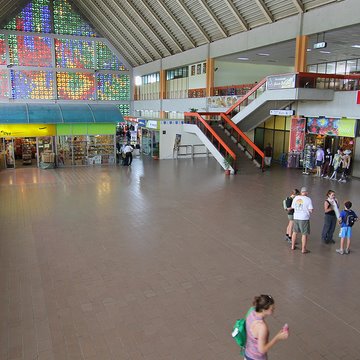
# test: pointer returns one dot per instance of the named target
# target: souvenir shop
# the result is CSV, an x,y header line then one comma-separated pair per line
x,y
70,135
307,134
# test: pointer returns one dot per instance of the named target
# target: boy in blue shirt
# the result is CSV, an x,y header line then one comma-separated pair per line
x,y
347,219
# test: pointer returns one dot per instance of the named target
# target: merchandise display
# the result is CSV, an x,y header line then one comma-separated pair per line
x,y
26,153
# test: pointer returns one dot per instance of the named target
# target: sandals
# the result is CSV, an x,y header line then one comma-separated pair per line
x,y
306,251
294,248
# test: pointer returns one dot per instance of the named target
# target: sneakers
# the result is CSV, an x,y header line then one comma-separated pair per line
x,y
339,251
347,251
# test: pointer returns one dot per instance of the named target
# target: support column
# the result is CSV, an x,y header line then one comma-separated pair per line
x,y
301,53
162,92
209,76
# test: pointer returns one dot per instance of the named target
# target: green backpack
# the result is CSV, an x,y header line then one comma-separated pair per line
x,y
239,331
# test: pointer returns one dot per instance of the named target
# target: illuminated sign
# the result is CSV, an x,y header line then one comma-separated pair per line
x,y
320,45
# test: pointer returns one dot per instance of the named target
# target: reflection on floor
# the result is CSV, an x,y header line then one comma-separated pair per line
x,y
157,260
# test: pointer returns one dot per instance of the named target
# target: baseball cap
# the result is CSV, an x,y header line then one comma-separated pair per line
x,y
303,189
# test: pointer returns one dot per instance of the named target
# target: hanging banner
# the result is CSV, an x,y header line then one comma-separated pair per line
x,y
297,134
331,126
278,82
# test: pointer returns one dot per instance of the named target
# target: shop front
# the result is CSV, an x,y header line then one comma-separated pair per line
x,y
24,145
150,136
49,135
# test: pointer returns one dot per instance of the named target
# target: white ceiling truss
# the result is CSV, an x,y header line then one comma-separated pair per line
x,y
147,30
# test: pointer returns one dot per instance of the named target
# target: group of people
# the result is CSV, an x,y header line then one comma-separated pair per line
x,y
329,165
299,208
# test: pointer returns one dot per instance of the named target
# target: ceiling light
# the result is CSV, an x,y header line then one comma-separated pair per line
x,y
325,52
243,58
356,46
263,54
308,50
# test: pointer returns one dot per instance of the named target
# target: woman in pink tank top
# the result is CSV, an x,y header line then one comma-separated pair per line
x,y
257,339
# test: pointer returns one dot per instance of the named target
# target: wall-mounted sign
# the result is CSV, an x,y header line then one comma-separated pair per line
x,y
277,82
320,45
152,124
25,130
282,112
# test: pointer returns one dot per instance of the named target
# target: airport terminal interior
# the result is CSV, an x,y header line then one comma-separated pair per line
x,y
146,148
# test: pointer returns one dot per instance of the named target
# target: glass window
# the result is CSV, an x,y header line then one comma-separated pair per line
x,y
279,122
312,68
330,68
192,70
341,67
269,124
321,69
351,66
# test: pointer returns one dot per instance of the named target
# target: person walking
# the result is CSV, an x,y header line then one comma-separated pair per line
x,y
268,155
303,208
128,154
319,159
257,330
290,214
331,215
347,219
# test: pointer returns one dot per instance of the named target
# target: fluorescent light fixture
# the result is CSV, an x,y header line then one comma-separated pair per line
x,y
325,52
308,50
356,46
263,54
243,58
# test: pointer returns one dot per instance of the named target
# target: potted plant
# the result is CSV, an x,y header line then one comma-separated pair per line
x,y
227,164
155,154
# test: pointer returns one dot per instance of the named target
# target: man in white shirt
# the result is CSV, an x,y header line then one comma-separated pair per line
x,y
128,153
303,208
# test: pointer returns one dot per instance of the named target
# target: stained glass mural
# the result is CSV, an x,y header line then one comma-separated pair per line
x,y
4,84
32,84
2,50
75,86
113,87
68,22
30,50
35,17
124,109
106,60
74,53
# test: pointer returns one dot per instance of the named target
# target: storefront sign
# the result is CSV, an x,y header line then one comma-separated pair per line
x,y
152,124
27,130
297,134
278,82
347,127
282,112
141,122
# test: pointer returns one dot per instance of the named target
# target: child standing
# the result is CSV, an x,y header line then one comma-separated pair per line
x,y
347,219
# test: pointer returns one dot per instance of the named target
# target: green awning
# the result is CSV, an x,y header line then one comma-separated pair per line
x,y
28,113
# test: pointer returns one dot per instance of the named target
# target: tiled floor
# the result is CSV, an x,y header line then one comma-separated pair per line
x,y
158,260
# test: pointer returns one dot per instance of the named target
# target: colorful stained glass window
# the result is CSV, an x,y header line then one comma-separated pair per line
x,y
32,84
35,16
106,60
74,53
124,109
75,86
113,87
2,50
4,84
30,50
68,22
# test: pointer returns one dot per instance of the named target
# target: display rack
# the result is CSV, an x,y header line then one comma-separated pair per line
x,y
26,153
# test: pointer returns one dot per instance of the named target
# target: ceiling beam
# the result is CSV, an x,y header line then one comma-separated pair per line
x,y
161,25
178,25
299,5
193,19
148,26
237,14
265,10
213,17
97,16
137,30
